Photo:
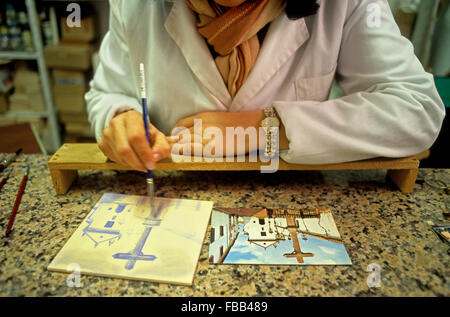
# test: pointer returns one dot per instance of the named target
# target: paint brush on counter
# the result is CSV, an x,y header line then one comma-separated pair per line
x,y
150,185
17,202
5,178
4,164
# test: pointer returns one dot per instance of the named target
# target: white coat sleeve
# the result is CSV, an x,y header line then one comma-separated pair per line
x,y
391,107
113,88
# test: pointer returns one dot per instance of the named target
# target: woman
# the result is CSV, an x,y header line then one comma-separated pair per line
x,y
225,62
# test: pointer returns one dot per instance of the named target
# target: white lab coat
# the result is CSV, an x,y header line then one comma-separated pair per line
x,y
391,107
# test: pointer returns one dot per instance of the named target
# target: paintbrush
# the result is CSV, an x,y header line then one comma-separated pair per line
x,y
150,184
5,178
4,164
17,202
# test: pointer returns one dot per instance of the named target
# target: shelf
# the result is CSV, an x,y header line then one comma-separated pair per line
x,y
25,114
18,55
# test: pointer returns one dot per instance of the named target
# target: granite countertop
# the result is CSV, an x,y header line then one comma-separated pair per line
x,y
378,224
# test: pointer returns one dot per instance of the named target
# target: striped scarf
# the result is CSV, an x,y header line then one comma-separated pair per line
x,y
231,27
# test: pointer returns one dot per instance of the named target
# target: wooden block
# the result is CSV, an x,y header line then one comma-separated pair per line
x,y
87,156
404,179
423,155
63,179
75,156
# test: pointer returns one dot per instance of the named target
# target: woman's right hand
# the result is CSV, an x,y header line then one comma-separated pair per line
x,y
124,141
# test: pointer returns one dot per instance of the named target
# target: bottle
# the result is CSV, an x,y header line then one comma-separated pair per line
x,y
4,38
27,41
46,27
11,16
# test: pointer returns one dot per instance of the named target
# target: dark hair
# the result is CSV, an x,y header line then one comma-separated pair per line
x,y
297,9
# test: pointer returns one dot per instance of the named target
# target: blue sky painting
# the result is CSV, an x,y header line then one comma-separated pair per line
x,y
325,252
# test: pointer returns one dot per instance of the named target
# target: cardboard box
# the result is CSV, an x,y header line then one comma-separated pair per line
x,y
27,82
85,33
27,91
79,129
68,92
69,77
74,118
69,83
25,102
72,90
70,104
69,56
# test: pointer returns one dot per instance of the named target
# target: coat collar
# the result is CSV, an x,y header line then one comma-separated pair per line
x,y
283,38
180,24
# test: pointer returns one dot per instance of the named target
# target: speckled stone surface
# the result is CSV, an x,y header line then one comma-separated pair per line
x,y
378,224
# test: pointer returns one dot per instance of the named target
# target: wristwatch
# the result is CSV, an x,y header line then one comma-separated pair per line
x,y
271,126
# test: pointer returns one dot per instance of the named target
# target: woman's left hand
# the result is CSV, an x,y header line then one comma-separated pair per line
x,y
208,130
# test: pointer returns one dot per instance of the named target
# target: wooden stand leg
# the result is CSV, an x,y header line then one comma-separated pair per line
x,y
63,179
404,179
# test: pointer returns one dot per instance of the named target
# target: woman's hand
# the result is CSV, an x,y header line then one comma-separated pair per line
x,y
124,141
217,123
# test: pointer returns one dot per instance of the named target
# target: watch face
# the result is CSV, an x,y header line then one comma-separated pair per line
x,y
269,112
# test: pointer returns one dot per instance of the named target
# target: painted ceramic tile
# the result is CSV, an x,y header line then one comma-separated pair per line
x,y
273,236
118,239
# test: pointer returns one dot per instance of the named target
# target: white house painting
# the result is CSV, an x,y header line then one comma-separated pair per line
x,y
276,237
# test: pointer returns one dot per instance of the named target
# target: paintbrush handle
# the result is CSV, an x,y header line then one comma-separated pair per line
x,y
16,204
2,183
145,115
4,164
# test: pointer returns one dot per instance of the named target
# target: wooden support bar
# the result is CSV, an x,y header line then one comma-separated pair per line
x,y
72,157
404,179
63,179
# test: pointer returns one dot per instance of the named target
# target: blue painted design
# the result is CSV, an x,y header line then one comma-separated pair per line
x,y
109,224
136,254
120,208
97,235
